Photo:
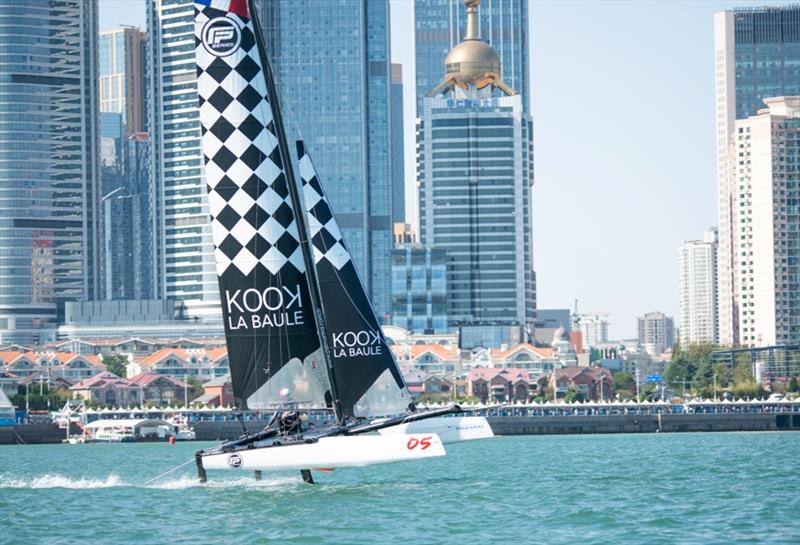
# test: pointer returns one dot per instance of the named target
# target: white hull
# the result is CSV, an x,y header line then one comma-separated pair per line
x,y
450,429
331,452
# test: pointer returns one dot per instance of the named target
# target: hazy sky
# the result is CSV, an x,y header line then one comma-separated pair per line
x,y
623,106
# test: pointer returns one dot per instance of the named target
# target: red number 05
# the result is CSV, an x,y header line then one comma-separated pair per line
x,y
414,443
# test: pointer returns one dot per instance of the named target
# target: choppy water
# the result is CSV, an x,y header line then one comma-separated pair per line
x,y
661,488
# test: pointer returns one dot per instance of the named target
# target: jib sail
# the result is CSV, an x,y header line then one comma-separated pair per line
x,y
274,349
368,381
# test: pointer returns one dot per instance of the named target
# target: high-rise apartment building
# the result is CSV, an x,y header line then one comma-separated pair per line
x,y
49,197
697,289
593,328
656,333
439,26
332,66
122,75
757,53
767,206
182,252
474,168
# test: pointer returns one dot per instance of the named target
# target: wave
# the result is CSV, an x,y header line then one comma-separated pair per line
x,y
60,481
114,481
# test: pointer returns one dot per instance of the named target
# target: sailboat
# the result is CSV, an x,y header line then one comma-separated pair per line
x,y
300,330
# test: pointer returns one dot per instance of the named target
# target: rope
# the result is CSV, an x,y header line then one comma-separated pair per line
x,y
157,477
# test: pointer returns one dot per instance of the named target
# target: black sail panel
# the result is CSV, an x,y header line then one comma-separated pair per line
x,y
274,348
368,380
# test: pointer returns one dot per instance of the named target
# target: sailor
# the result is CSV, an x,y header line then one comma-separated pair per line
x,y
289,423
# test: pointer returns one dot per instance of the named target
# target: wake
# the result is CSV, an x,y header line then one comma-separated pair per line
x,y
114,481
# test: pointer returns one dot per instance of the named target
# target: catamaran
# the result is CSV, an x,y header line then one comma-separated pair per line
x,y
300,330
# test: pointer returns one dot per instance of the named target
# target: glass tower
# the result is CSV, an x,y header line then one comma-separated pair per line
x,y
331,61
757,56
121,75
440,26
183,252
48,171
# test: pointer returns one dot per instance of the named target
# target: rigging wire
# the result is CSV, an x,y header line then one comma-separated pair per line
x,y
157,477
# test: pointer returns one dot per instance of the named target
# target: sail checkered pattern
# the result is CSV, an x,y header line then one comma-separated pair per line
x,y
252,217
325,234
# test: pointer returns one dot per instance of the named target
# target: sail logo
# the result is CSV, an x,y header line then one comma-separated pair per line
x,y
357,343
271,307
221,36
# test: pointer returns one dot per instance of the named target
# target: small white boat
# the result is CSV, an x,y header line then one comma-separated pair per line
x,y
181,430
114,436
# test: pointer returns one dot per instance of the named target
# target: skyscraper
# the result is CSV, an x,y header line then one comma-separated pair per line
x,y
474,167
439,26
126,264
183,252
122,75
767,209
332,66
398,168
48,170
757,56
697,289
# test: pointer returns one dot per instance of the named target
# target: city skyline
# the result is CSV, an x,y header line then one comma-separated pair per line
x,y
642,223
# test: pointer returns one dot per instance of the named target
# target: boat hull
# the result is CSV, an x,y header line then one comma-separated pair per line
x,y
450,429
330,452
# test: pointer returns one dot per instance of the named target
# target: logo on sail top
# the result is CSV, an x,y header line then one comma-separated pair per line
x,y
222,36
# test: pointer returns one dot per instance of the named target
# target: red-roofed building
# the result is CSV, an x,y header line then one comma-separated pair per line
x,y
432,358
180,363
162,389
71,366
218,392
421,383
589,382
107,389
501,384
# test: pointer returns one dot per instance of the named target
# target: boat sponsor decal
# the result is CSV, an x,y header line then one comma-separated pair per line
x,y
221,36
366,342
235,461
252,308
423,443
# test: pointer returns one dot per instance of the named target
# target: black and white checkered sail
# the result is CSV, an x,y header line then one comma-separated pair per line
x,y
274,347
368,381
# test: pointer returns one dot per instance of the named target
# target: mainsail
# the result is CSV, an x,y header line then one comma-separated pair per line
x,y
299,327
274,349
368,380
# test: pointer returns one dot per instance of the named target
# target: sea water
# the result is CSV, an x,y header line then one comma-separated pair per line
x,y
702,488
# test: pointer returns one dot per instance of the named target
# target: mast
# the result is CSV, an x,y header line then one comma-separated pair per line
x,y
297,204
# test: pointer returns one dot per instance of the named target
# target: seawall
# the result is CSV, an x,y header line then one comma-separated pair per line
x,y
553,425
501,425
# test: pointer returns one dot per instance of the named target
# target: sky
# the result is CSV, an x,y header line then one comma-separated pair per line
x,y
624,152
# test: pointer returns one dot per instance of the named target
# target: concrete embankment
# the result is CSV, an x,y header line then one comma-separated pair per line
x,y
502,425
553,425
